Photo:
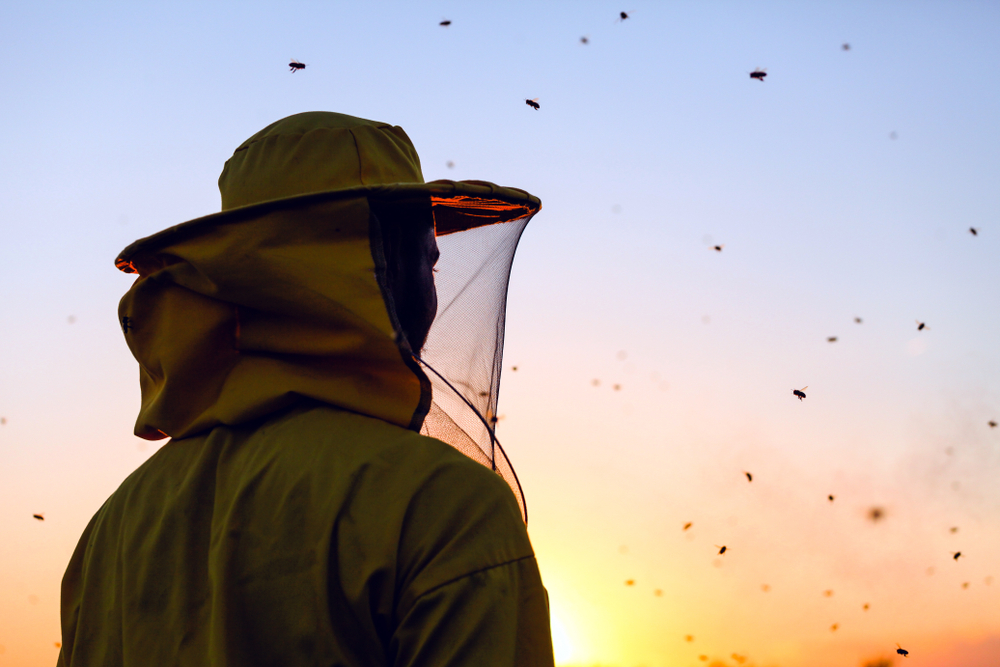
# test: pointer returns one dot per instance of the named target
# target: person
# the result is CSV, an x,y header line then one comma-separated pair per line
x,y
297,516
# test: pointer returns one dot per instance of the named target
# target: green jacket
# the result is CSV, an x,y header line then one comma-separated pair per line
x,y
297,517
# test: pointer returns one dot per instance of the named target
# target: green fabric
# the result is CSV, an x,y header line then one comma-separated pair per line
x,y
316,537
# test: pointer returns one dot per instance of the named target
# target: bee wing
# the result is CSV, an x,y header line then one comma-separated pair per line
x,y
803,388
535,100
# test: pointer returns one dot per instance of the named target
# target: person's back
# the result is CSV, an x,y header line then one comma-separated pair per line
x,y
297,517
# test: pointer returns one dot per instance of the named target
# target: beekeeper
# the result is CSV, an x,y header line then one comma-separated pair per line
x,y
298,516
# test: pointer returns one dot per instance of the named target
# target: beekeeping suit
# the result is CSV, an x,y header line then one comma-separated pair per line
x,y
330,495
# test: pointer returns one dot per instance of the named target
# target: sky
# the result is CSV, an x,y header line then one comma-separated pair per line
x,y
842,186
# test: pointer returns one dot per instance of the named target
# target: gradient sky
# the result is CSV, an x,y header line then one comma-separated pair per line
x,y
842,186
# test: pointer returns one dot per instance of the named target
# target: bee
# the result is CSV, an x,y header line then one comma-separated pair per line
x,y
876,514
865,606
828,593
623,16
630,582
57,644
596,382
893,135
973,231
687,525
127,324
845,46
758,74
902,651
533,104
831,339
717,248
513,368
765,588
992,423
954,529
295,65
585,40
40,517
722,549
921,326
689,638
445,23
957,555
833,628
749,476
799,393
703,658
617,387
965,584
830,497
658,592
857,320
3,421
450,164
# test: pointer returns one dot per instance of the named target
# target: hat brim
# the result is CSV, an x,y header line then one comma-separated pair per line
x,y
457,206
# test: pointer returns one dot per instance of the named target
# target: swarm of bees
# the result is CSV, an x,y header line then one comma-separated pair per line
x,y
533,104
295,66
758,74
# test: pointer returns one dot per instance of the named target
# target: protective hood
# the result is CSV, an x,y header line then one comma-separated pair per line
x,y
281,296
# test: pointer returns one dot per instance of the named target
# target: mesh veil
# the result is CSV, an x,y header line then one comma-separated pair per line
x,y
464,350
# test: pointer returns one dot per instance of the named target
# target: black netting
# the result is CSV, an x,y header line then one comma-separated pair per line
x,y
464,351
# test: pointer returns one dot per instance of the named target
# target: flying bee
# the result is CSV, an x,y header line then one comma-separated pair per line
x,y
921,326
765,588
40,517
689,638
857,320
828,593
450,164
972,230
533,104
992,423
127,324
833,628
758,74
800,393
965,584
865,606
623,16
954,529
717,248
722,549
830,497
957,555
902,651
749,476
445,23
585,40
845,46
617,387
295,65
831,339
658,593
687,525
876,514
630,582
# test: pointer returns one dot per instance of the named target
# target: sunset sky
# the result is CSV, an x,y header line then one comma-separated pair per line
x,y
843,186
